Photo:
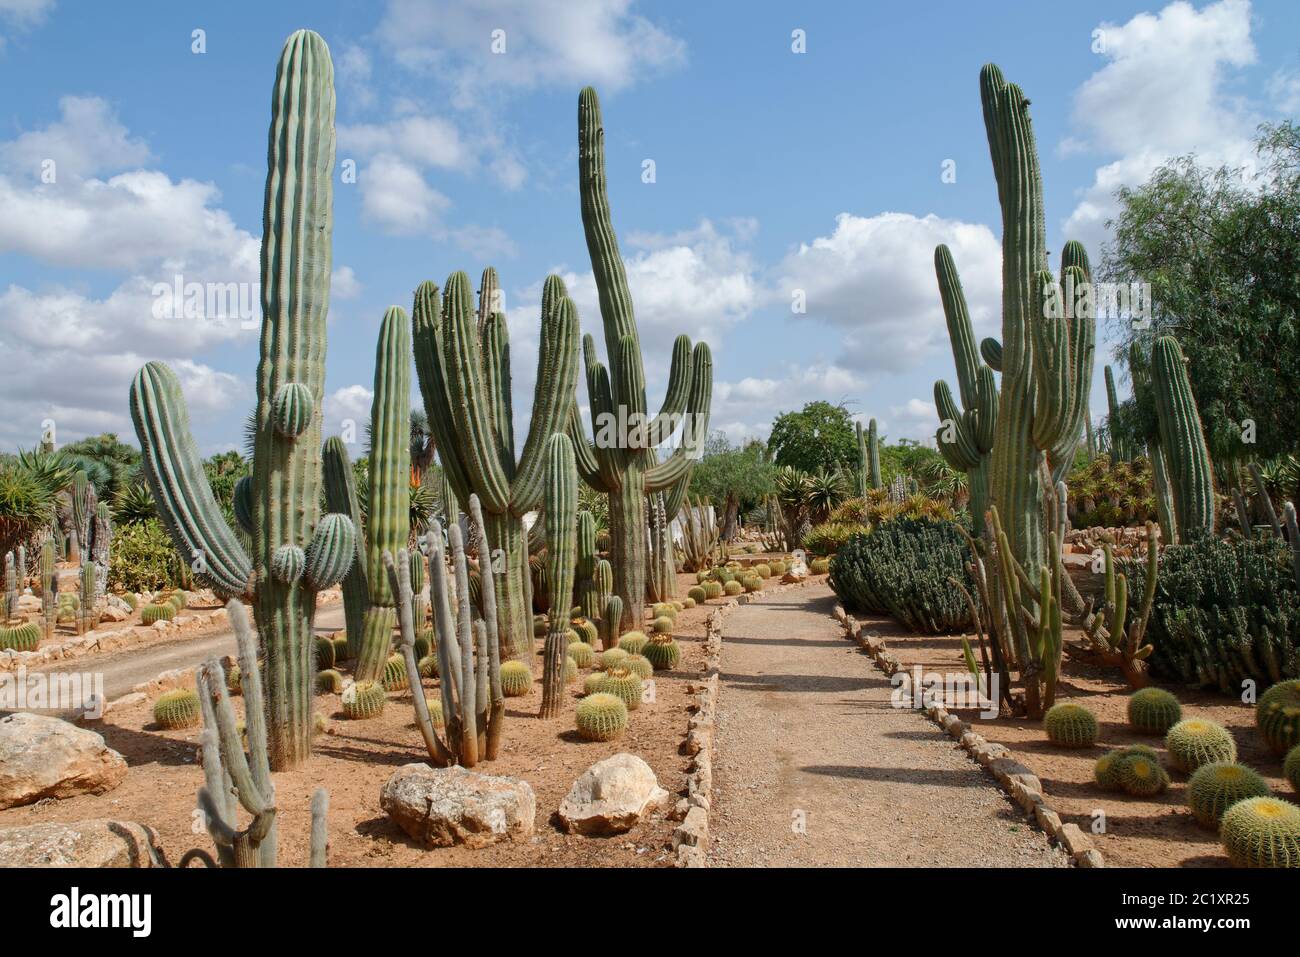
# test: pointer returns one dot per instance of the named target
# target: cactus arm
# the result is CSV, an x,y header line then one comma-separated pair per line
x,y
661,427
1258,477
991,353
960,332
873,454
961,451
494,346
398,572
553,402
174,471
561,546
677,466
611,457
584,454
427,321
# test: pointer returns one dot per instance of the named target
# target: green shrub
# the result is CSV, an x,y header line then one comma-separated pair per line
x,y
142,558
829,537
905,569
26,504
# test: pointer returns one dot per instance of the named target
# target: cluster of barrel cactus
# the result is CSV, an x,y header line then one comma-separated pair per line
x,y
1134,769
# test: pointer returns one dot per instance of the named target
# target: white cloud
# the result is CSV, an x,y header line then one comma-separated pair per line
x,y
87,138
395,197
874,278
419,140
350,404
344,283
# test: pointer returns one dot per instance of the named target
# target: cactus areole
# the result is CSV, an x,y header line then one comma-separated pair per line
x,y
283,498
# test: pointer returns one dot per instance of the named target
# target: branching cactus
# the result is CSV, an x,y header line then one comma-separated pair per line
x,y
561,503
49,589
233,778
1115,634
296,552
465,382
1183,440
622,463
341,497
867,473
699,536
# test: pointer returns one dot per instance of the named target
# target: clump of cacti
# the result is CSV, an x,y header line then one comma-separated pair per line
x,y
1141,776
157,612
1277,714
363,699
1262,832
24,637
1195,742
1153,711
178,708
1070,725
699,535
663,652
329,681
581,653
1215,787
1108,767
516,679
601,717
623,683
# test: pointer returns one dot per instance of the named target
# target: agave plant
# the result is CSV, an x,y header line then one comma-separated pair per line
x,y
825,490
134,503
26,504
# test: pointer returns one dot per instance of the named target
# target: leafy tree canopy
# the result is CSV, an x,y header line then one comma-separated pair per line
x,y
726,470
818,438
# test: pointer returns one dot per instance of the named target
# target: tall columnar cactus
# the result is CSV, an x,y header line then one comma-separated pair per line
x,y
83,513
388,525
11,589
1182,440
585,585
1118,448
699,536
561,504
87,616
622,464
1048,331
661,580
341,497
101,546
1139,367
873,456
465,381
49,589
965,438
296,552
233,778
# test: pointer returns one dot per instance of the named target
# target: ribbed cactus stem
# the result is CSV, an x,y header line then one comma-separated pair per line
x,y
1265,500
588,595
1293,533
341,497
49,589
86,617
1183,440
873,455
561,503
11,587
1118,450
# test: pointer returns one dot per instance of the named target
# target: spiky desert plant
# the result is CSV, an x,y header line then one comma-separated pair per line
x,y
329,681
732,588
1291,768
87,618
632,642
341,497
697,594
341,649
601,717
1153,711
233,778
624,684
1116,638
663,625
1183,440
289,536
10,609
1070,725
155,612
581,653
175,709
560,498
661,575
1262,832
713,590
363,700
1141,776
465,382
625,466
325,657
24,637
49,588
1278,716
610,658
1118,449
516,679
592,682
393,677
586,631
639,665
586,587
662,651
1196,742
1215,787
699,536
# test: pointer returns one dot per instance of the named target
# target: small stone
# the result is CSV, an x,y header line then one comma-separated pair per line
x,y
612,796
694,830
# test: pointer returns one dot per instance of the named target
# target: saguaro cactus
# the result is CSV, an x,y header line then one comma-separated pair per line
x,y
1182,440
867,474
465,382
622,462
561,498
296,552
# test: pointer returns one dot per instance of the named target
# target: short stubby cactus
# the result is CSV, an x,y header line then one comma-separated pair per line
x,y
688,602
712,590
1070,726
365,699
324,653
435,711
1141,776
24,637
663,652
516,679
732,588
428,666
696,594
1153,711
1196,742
624,684
586,631
1291,768
1107,769
176,709
611,658
592,684
340,643
570,669
763,570
1215,787
1262,832
329,681
234,679
601,717
155,613
752,583
394,677
663,625
663,608
1278,716
639,665
632,642
819,566
581,654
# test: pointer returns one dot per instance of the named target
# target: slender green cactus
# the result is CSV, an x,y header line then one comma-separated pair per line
x,y
587,588
1183,440
341,497
87,618
965,438
388,525
561,503
1118,449
291,545
465,383
11,588
49,589
873,455
625,467
860,469
1139,366
661,578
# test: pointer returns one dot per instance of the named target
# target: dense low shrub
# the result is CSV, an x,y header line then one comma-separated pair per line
x,y
142,558
1225,611
905,568
829,537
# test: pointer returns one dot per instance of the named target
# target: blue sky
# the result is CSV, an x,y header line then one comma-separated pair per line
x,y
774,171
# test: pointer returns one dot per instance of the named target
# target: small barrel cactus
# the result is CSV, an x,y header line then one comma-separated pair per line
x,y
178,708
733,588
660,609
1291,768
1278,715
365,699
24,637
340,648
581,654
539,626
423,643
592,684
1215,787
586,630
435,711
329,681
611,658
663,625
688,602
150,614
1153,711
324,653
622,683
1195,742
601,717
394,677
632,642
1107,769
234,679
763,570
1141,776
820,566
778,568
638,665
712,590
570,668
1262,832
663,652
428,666
752,583
516,679
696,594
1070,726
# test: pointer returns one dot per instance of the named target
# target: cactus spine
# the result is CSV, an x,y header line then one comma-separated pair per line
x,y
341,497
465,383
285,489
1183,441
561,503
625,467
388,525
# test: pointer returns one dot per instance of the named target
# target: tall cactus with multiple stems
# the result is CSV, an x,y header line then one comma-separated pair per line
x,y
622,462
1118,447
1183,440
867,474
561,504
296,551
464,374
1139,368
341,497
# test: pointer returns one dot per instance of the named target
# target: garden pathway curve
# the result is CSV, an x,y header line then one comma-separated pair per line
x,y
814,767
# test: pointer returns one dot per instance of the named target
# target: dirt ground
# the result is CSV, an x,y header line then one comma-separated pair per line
x,y
1146,832
354,759
815,768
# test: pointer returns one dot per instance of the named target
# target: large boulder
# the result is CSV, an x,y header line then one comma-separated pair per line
x,y
612,796
96,843
440,807
43,757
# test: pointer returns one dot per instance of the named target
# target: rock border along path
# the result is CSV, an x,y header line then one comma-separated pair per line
x,y
816,767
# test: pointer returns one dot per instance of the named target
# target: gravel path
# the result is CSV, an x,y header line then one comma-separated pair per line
x,y
814,767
